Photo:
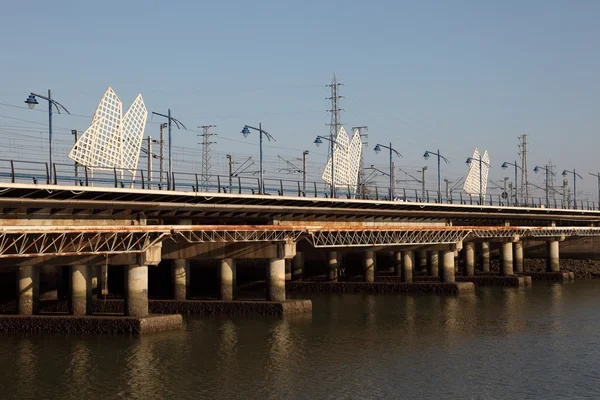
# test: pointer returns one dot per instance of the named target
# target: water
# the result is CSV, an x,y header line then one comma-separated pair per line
x,y
539,343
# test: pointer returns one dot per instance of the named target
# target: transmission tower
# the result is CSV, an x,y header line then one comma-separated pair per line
x,y
334,126
524,180
206,142
363,131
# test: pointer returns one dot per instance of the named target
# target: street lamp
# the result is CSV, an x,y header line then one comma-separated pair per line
x,y
505,165
470,161
178,124
597,175
377,150
439,157
246,132
319,141
575,175
536,170
31,103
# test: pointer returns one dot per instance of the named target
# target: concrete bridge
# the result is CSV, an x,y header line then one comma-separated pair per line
x,y
88,230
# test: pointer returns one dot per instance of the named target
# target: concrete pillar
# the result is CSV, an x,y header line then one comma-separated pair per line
x,y
552,256
369,266
518,257
433,267
506,268
136,290
180,272
227,275
48,282
485,257
80,293
103,280
398,263
276,280
390,256
448,266
469,259
298,266
408,262
423,260
28,290
94,270
288,269
332,266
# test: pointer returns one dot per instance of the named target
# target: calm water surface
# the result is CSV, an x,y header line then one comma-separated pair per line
x,y
541,343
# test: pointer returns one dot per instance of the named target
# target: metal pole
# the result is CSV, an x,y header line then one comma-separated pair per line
x,y
162,151
75,133
574,189
423,183
304,171
547,194
391,175
230,172
170,147
480,184
149,161
332,169
50,132
262,186
439,176
516,186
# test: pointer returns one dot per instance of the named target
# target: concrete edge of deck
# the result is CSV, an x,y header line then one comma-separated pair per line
x,y
382,287
96,324
550,276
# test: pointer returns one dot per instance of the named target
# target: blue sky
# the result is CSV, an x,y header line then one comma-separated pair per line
x,y
452,75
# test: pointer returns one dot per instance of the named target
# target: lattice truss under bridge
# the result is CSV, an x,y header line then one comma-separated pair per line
x,y
207,234
112,140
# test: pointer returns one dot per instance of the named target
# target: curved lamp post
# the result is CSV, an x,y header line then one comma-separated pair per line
x,y
470,161
246,132
32,102
377,150
538,169
505,165
439,157
319,141
575,175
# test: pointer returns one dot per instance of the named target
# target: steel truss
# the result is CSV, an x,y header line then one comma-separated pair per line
x,y
269,233
388,237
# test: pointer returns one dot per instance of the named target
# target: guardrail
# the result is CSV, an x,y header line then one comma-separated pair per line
x,y
20,171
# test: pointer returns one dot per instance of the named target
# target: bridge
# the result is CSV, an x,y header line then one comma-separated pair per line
x,y
88,223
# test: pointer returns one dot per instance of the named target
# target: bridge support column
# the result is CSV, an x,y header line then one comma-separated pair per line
x,y
552,256
434,264
332,266
518,257
469,259
298,266
506,268
423,261
448,275
276,280
180,272
136,290
80,296
369,266
408,261
28,289
288,269
398,263
102,279
48,282
485,257
227,281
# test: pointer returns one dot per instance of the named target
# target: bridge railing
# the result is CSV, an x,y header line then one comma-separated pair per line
x,y
21,171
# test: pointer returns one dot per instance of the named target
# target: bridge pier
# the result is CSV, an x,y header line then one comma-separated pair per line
x,y
469,259
298,266
408,260
276,280
398,263
369,266
433,267
80,294
448,275
28,288
506,267
288,269
552,256
180,272
227,279
332,266
102,279
136,291
49,280
423,261
518,257
485,257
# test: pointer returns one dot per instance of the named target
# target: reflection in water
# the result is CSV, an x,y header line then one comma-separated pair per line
x,y
79,371
26,360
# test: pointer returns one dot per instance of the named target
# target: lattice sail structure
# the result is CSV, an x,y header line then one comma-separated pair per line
x,y
346,156
112,140
472,181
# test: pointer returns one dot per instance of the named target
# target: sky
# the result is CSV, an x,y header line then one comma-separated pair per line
x,y
423,75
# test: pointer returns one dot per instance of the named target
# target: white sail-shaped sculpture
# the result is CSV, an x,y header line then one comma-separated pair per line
x,y
346,156
472,181
112,140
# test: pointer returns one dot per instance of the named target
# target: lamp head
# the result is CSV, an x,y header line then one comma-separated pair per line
x,y
245,131
504,165
426,155
469,160
318,141
564,173
377,149
305,152
425,168
31,101
536,169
